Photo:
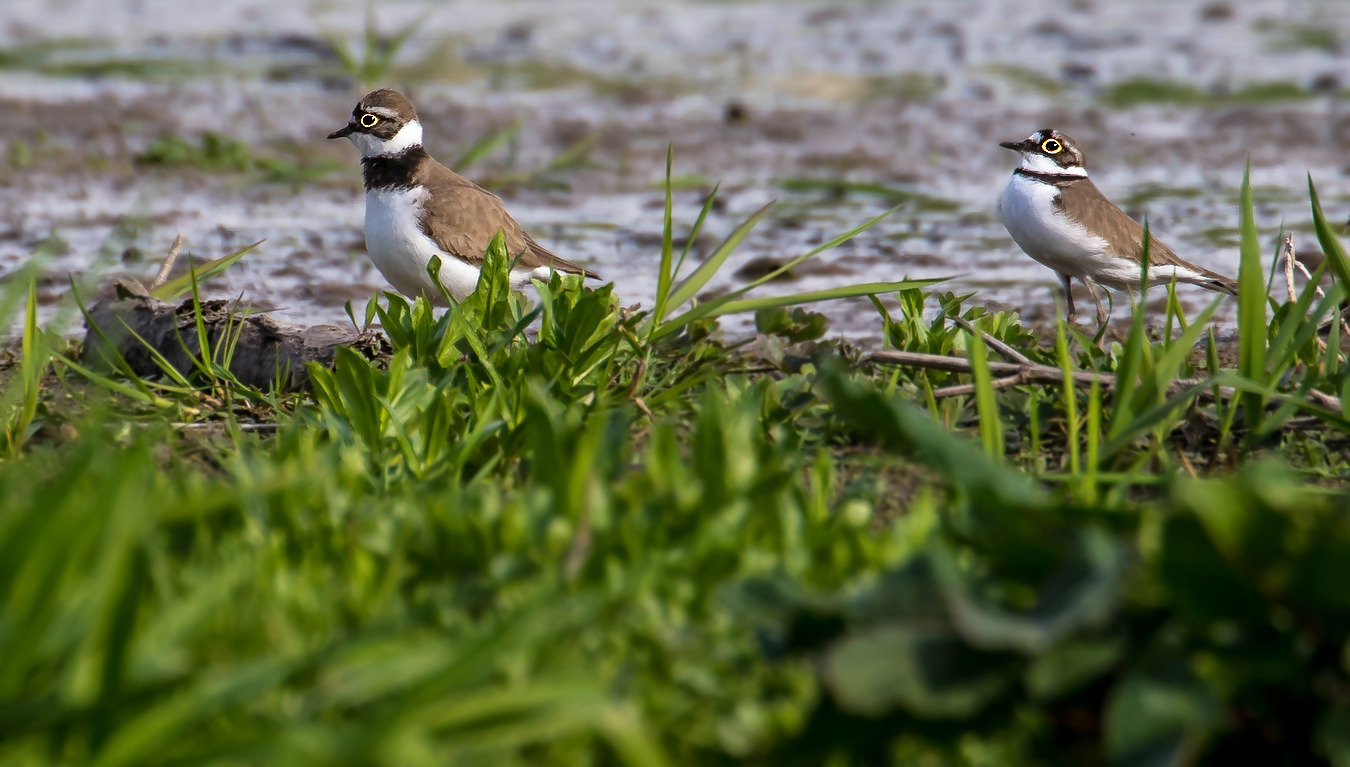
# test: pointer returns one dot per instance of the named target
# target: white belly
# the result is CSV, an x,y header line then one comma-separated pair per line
x,y
401,252
1050,237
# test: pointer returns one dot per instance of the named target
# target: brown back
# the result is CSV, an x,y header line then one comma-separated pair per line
x,y
463,217
1083,202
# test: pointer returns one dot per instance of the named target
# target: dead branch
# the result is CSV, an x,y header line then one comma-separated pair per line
x,y
1007,351
262,351
966,390
167,266
1289,268
196,426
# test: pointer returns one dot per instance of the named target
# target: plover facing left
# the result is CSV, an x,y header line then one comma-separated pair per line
x,y
1058,217
417,208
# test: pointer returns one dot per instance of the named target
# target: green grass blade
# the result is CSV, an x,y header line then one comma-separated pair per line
x,y
830,245
1326,237
1070,394
575,156
1331,364
721,307
991,428
175,289
107,383
108,347
384,55
32,369
485,146
371,35
1094,438
664,277
1252,299
1150,419
698,228
1134,364
1243,385
1299,326
207,361
707,309
705,271
1154,388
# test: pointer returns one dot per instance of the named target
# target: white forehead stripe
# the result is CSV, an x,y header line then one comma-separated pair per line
x,y
408,136
384,112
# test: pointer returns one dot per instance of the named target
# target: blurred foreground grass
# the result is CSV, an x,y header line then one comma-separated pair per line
x,y
624,541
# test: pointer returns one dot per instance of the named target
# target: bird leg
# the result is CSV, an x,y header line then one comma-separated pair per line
x,y
1066,283
1102,314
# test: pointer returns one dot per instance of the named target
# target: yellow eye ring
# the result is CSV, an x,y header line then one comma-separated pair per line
x,y
1051,146
369,120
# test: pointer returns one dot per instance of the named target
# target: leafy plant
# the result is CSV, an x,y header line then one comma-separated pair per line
x,y
371,65
1182,634
556,531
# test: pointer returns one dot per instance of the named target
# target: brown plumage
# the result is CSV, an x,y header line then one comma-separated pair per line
x,y
418,209
1057,216
463,217
1082,201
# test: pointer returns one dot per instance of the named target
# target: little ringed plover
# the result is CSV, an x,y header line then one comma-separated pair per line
x,y
417,208
1058,217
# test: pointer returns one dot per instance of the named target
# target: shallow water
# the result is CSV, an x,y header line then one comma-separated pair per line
x,y
908,96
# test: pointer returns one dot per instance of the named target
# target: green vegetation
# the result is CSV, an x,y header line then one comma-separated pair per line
x,y
1150,192
213,153
1144,90
837,189
622,541
20,154
1296,37
78,58
907,86
1027,79
295,165
372,64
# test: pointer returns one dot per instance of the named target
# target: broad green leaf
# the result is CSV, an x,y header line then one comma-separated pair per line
x,y
1159,714
1072,665
928,674
1082,592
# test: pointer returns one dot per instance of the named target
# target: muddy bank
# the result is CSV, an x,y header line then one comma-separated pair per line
x,y
839,112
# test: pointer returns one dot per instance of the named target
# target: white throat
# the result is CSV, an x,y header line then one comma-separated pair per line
x,y
408,136
1039,163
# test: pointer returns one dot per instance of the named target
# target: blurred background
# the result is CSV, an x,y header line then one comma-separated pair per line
x,y
126,122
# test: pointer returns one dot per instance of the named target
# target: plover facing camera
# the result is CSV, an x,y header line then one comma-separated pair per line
x,y
1057,216
417,208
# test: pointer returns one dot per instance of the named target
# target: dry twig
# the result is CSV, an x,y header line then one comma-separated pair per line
x,y
1291,263
1290,259
264,428
1289,267
966,390
1007,351
167,266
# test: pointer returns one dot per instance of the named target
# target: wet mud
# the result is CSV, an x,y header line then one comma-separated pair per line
x,y
129,125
